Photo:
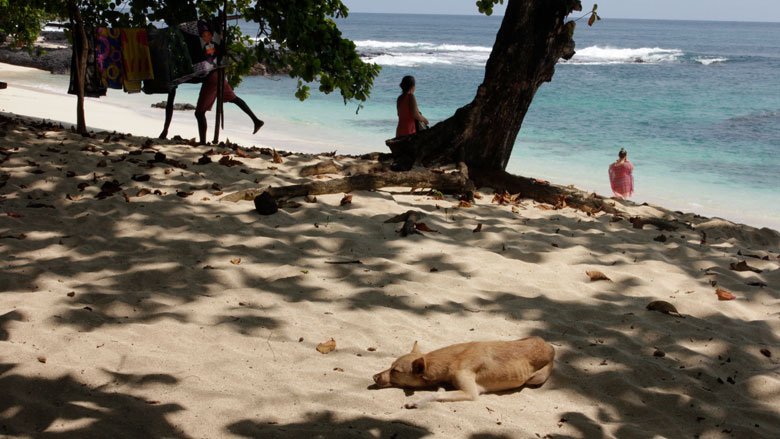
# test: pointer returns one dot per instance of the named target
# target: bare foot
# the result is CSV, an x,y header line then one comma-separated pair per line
x,y
258,124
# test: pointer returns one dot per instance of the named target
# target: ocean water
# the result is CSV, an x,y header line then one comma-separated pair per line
x,y
696,104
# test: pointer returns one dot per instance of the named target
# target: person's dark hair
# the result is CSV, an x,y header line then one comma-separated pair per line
x,y
204,26
407,83
622,154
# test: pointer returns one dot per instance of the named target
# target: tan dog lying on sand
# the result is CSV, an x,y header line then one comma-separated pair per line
x,y
472,368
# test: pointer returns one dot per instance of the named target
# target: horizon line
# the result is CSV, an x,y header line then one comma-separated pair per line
x,y
713,20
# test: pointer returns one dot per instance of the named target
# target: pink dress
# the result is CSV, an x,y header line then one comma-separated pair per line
x,y
621,179
406,122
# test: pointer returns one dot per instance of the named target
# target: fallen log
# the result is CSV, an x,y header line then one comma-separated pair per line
x,y
444,182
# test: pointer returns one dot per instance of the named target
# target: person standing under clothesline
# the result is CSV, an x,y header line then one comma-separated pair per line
x,y
208,91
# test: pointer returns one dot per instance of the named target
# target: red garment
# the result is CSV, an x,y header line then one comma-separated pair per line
x,y
406,122
208,93
621,179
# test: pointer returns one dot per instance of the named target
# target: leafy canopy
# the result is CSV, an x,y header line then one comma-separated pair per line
x,y
300,36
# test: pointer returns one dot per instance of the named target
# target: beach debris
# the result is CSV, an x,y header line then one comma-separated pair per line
x,y
765,352
436,195
410,219
327,346
659,353
743,266
757,283
506,198
660,238
184,194
71,294
265,204
140,177
661,224
424,228
39,205
204,160
226,160
664,308
597,275
20,236
143,192
354,261
724,294
42,359
290,204
326,167
235,261
310,199
464,204
748,255
477,229
347,199
276,157
108,189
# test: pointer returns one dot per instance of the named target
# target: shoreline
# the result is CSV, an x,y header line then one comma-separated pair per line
x,y
139,118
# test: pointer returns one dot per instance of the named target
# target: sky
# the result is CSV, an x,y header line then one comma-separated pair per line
x,y
729,10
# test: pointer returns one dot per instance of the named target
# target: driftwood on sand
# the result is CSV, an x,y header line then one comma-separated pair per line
x,y
460,181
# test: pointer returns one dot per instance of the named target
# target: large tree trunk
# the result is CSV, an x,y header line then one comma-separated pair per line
x,y
532,38
80,48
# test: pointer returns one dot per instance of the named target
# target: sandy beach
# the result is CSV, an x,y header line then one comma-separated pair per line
x,y
135,303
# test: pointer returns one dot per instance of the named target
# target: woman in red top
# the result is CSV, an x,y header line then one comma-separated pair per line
x,y
408,113
621,176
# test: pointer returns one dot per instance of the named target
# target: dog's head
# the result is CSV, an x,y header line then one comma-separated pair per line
x,y
406,371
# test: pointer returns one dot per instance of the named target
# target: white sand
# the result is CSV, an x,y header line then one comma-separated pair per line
x,y
167,334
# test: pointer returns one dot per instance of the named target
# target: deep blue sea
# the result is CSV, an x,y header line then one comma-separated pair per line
x,y
696,104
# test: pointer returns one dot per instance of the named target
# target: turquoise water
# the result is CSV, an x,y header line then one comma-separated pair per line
x,y
696,104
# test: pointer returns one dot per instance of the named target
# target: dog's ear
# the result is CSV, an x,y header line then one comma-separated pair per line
x,y
415,348
418,366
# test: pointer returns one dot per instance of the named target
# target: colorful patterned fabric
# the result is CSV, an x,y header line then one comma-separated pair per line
x,y
136,58
621,178
93,86
108,50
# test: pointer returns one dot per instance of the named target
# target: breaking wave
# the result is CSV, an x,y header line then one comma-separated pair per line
x,y
409,54
709,61
595,55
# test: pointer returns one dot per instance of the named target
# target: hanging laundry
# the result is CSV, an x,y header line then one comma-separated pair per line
x,y
136,58
108,50
93,86
170,60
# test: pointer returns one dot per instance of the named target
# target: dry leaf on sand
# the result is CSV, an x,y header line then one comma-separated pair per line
x,y
277,158
664,308
424,228
597,275
478,228
724,294
327,346
346,200
235,261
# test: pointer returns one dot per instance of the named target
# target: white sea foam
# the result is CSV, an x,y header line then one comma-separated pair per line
x,y
708,61
402,45
409,54
612,55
